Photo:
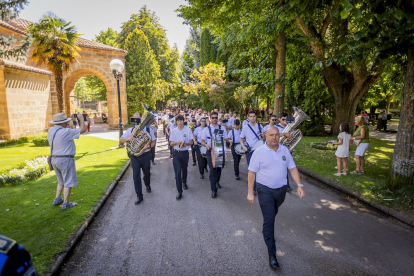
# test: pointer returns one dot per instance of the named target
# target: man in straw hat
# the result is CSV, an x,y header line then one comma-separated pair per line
x,y
63,151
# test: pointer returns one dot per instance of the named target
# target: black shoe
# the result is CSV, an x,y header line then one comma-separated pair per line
x,y
171,156
185,187
202,176
139,200
148,189
194,163
218,185
214,194
237,177
179,196
153,163
289,189
273,262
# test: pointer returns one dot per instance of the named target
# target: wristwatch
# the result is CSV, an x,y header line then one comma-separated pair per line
x,y
300,185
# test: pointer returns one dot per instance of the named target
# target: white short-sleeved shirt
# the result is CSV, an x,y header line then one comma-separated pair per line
x,y
271,166
198,132
245,122
343,150
234,135
180,135
206,133
280,127
171,126
63,143
231,121
248,134
128,132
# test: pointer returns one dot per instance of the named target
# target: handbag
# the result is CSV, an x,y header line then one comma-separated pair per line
x,y
356,142
49,158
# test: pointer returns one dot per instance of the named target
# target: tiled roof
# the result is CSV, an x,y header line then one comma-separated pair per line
x,y
20,66
19,25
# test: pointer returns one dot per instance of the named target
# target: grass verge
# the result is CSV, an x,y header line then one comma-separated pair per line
x,y
26,211
372,185
15,155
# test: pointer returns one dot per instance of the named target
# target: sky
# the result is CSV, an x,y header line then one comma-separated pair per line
x,y
92,16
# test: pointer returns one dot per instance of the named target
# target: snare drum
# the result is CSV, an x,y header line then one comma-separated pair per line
x,y
239,150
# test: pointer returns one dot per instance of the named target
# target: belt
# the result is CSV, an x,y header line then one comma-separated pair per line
x,y
68,156
284,186
174,150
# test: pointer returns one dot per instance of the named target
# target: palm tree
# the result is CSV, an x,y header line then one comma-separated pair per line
x,y
54,44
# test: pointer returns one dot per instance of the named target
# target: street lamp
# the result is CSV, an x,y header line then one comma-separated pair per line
x,y
117,66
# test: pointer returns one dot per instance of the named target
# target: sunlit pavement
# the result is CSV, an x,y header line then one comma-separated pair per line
x,y
321,234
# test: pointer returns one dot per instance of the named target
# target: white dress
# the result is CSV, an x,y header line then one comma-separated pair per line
x,y
343,150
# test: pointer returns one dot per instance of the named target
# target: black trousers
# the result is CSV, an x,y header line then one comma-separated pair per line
x,y
193,153
180,163
270,201
236,158
152,151
202,161
138,163
214,174
248,157
384,124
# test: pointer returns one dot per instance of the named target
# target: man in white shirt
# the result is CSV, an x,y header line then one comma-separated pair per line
x,y
208,134
230,123
63,151
269,165
234,139
271,123
202,161
181,139
141,162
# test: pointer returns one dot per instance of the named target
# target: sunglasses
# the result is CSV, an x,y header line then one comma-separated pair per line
x,y
283,119
214,118
273,120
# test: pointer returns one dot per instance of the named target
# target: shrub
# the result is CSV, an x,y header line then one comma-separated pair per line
x,y
41,140
12,142
30,170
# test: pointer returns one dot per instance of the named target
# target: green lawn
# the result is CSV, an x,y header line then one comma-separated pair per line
x,y
27,213
13,156
372,185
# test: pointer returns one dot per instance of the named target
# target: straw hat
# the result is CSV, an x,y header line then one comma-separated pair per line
x,y
60,118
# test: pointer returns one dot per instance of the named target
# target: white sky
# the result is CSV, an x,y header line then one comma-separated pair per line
x,y
92,16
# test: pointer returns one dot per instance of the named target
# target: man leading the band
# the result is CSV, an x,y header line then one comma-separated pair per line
x,y
141,162
269,165
208,134
181,139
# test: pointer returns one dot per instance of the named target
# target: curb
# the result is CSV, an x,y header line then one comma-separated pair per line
x,y
78,235
399,216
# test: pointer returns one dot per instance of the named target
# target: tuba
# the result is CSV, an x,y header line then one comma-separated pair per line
x,y
297,135
141,138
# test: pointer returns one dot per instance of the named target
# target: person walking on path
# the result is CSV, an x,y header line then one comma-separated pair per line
x,y
384,119
269,165
105,120
181,139
342,151
361,136
61,140
141,162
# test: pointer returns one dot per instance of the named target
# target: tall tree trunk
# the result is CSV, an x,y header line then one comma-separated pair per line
x,y
280,45
59,88
402,166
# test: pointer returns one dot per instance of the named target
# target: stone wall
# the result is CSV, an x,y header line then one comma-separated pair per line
x,y
25,107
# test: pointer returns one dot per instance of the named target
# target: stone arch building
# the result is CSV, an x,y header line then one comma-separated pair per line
x,y
28,96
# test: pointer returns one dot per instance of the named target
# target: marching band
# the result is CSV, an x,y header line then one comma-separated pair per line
x,y
268,152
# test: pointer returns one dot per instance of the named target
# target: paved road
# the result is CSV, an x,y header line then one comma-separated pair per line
x,y
321,234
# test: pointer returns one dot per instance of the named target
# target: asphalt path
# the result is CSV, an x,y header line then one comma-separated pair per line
x,y
321,234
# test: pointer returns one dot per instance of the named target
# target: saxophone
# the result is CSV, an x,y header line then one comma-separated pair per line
x,y
297,135
141,138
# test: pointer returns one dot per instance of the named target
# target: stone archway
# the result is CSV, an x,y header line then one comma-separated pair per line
x,y
83,68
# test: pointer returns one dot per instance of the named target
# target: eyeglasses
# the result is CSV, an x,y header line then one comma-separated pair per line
x,y
273,120
214,118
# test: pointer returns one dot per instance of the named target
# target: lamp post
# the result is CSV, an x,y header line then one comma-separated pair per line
x,y
117,66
